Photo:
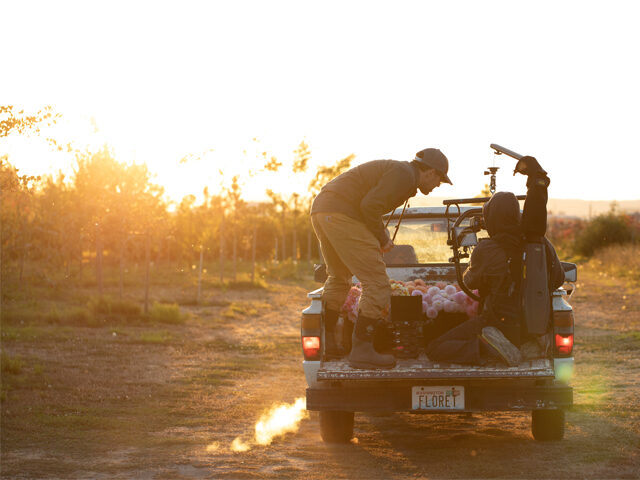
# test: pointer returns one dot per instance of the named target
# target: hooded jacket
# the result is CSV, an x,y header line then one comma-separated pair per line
x,y
488,269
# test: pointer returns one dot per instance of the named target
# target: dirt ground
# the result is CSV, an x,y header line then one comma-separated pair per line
x,y
167,401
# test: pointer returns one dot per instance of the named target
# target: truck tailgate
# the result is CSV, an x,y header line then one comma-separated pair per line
x,y
423,368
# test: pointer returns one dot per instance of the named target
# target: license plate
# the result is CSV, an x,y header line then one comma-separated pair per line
x,y
437,398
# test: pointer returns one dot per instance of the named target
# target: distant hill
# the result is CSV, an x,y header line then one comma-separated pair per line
x,y
557,206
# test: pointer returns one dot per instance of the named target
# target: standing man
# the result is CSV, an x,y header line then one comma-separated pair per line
x,y
347,218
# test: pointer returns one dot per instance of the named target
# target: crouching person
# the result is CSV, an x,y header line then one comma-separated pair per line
x,y
495,271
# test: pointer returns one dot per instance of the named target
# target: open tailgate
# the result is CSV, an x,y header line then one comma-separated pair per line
x,y
423,368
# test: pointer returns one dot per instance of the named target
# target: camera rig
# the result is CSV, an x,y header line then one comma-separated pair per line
x,y
463,226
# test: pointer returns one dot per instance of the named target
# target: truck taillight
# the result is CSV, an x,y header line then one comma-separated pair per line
x,y
563,332
564,344
311,348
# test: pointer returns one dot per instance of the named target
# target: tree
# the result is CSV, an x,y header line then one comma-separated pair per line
x,y
278,204
301,157
326,173
116,201
17,214
19,122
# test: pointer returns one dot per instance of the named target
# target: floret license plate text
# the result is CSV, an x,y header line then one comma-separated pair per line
x,y
437,398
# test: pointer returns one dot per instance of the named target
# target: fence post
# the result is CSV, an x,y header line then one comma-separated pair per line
x,y
200,275
147,260
121,284
222,250
294,241
99,248
253,253
284,239
235,256
275,254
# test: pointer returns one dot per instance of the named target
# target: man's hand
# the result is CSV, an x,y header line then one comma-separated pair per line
x,y
387,247
528,166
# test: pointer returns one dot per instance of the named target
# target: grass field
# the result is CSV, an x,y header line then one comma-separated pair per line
x,y
99,389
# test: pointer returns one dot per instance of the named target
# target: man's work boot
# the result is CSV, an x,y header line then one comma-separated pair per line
x,y
363,355
332,349
493,338
347,334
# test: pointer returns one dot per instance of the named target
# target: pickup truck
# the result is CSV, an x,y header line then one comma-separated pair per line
x,y
418,385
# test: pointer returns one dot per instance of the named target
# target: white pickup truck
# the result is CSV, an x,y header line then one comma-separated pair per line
x,y
419,385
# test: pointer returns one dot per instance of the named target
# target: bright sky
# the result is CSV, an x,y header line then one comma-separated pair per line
x,y
554,79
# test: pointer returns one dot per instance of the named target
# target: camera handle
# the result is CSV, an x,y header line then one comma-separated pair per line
x,y
499,150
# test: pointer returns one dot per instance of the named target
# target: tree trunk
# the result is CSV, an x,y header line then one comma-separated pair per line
x,y
309,246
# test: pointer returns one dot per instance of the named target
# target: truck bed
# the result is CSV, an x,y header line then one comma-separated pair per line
x,y
423,368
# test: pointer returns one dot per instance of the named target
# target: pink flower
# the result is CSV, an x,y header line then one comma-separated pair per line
x,y
449,306
460,298
450,290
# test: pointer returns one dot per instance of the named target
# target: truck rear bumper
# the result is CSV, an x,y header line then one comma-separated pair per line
x,y
478,398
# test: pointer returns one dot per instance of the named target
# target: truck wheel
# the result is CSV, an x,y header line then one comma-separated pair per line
x,y
547,425
336,427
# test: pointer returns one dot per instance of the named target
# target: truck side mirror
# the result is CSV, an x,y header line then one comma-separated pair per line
x,y
320,273
570,271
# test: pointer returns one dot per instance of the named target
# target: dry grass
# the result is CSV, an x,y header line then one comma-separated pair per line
x,y
81,402
622,261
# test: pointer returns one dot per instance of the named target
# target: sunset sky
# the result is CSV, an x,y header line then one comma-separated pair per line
x,y
159,80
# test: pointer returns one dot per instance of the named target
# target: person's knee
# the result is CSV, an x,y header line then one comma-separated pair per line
x,y
376,298
379,288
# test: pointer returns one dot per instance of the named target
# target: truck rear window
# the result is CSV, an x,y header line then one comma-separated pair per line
x,y
422,240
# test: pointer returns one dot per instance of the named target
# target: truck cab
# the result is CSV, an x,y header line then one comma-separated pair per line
x,y
423,256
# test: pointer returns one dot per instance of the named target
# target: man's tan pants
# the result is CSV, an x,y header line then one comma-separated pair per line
x,y
349,248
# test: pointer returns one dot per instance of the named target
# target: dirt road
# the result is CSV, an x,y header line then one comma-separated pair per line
x,y
168,402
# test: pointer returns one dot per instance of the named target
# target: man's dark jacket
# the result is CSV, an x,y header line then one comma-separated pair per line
x,y
368,191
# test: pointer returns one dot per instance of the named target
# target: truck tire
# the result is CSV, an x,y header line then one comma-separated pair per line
x,y
336,427
547,425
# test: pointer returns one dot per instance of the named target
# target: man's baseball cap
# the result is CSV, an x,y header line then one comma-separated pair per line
x,y
434,158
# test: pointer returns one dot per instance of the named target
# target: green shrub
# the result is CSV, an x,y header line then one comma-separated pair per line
x,y
287,270
166,313
10,364
73,315
156,337
602,231
109,306
258,284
